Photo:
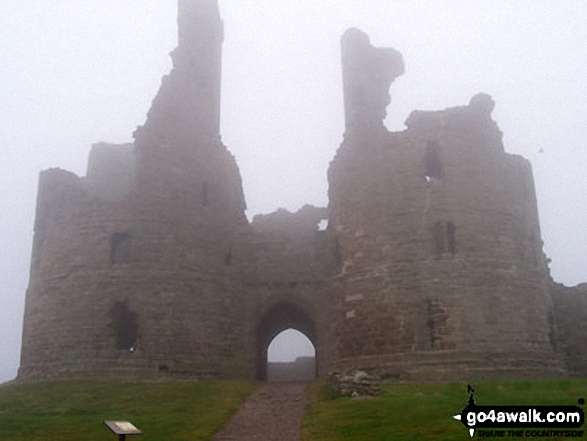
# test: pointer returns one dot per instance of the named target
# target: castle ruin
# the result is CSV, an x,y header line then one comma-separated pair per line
x,y
431,266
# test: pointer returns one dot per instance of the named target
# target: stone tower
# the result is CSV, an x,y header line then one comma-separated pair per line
x,y
437,229
431,267
180,158
129,275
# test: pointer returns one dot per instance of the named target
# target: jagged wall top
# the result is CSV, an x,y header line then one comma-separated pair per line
x,y
198,25
187,106
367,74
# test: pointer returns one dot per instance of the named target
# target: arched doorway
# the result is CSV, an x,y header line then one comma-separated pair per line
x,y
281,317
291,357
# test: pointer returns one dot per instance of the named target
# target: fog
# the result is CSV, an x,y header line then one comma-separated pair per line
x,y
288,345
73,73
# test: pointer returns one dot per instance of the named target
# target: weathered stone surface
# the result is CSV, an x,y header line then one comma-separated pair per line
x,y
431,267
355,384
570,318
367,74
111,171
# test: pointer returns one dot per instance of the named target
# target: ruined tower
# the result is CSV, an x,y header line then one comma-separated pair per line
x,y
438,233
180,158
431,267
128,274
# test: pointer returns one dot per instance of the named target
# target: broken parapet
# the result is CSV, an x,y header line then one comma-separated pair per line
x,y
367,74
472,122
282,221
298,228
111,170
186,109
354,384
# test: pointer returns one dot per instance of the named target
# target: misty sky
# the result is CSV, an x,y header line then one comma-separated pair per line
x,y
77,72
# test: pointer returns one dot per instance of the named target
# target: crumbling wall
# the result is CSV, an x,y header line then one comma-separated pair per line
x,y
130,275
367,74
113,293
431,267
147,267
295,237
442,274
301,369
111,171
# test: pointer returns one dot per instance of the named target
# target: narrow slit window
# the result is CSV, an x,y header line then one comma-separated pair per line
x,y
451,231
439,239
432,324
120,248
433,165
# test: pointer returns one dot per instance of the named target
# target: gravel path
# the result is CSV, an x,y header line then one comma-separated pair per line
x,y
273,413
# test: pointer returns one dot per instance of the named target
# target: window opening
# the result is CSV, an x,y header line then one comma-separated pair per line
x,y
120,248
433,165
451,230
125,325
438,234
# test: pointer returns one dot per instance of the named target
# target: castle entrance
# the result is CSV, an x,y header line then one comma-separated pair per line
x,y
291,357
286,345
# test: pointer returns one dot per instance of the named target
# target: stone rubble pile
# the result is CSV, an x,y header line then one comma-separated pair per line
x,y
355,384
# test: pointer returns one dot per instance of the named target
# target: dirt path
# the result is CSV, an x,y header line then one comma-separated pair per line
x,y
273,413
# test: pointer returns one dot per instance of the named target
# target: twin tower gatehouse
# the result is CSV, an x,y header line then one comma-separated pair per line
x,y
431,266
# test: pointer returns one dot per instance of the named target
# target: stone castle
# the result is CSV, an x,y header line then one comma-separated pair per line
x,y
431,265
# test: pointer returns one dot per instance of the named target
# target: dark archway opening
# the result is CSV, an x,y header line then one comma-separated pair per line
x,y
283,317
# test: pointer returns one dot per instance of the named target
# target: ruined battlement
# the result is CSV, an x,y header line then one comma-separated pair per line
x,y
366,91
430,267
111,171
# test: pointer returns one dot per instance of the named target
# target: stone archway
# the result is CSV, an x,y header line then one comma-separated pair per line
x,y
282,316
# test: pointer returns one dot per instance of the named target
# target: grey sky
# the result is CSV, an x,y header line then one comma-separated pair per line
x,y
73,73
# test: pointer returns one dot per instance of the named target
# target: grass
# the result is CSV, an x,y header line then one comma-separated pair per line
x,y
74,410
423,411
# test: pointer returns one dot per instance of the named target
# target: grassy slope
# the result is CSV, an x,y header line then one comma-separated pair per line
x,y
424,412
74,410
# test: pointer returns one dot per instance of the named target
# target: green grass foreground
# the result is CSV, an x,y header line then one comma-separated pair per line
x,y
74,410
424,411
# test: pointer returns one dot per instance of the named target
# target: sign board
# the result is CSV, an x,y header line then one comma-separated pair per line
x,y
122,428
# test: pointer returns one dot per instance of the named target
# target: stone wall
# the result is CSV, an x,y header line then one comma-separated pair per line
x,y
111,171
442,270
570,318
431,267
301,369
